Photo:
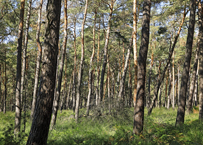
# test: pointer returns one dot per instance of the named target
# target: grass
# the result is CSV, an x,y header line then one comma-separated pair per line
x,y
159,128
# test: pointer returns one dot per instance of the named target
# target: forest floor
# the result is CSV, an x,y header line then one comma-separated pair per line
x,y
159,128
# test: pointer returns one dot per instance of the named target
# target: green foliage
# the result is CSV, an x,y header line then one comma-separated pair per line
x,y
8,138
159,128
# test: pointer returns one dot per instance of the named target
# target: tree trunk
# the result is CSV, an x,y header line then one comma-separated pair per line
x,y
169,89
60,71
42,116
160,94
1,97
106,49
166,88
62,105
18,72
39,57
161,78
129,85
74,72
135,48
194,74
5,84
186,67
196,87
178,84
139,108
25,51
90,69
108,84
120,94
81,66
200,7
68,97
149,79
25,96
193,81
173,105
98,67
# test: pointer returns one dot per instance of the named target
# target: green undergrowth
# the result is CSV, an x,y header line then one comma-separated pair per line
x,y
116,129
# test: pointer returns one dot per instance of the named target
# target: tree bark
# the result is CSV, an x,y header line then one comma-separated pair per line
x,y
193,81
1,97
18,72
135,48
39,57
106,49
166,88
108,84
200,9
62,105
74,72
81,66
122,81
170,86
149,79
139,108
173,105
161,78
60,71
5,84
130,99
90,69
98,66
25,50
42,116
178,83
186,67
67,99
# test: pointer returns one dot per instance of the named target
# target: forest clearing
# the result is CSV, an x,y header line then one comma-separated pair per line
x,y
101,72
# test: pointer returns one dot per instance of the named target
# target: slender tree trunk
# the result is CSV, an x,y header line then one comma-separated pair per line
x,y
173,105
161,78
62,105
139,107
169,89
5,84
193,81
25,51
106,49
43,110
74,72
108,83
160,94
135,48
98,66
178,83
186,67
39,57
25,96
176,89
120,94
196,86
81,65
130,85
166,88
60,71
200,7
90,69
68,97
149,79
1,97
18,73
